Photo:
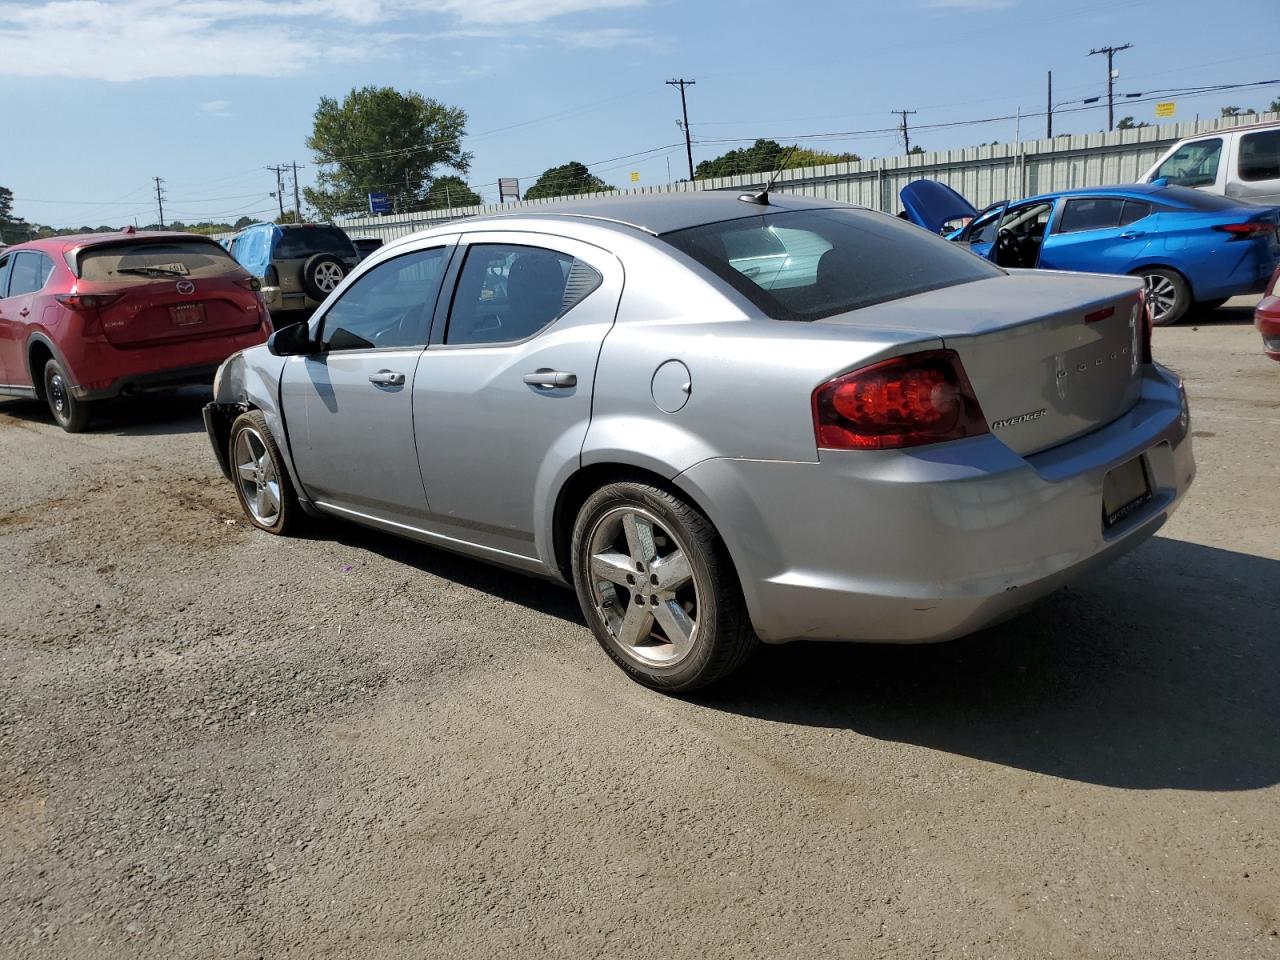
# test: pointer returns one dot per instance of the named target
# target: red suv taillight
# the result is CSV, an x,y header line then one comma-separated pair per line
x,y
904,402
82,302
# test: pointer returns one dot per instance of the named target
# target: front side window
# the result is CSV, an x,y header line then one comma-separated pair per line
x,y
1260,156
1090,213
836,260
390,306
27,274
507,293
1193,164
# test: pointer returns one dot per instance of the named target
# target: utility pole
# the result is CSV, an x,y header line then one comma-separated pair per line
x,y
1049,112
906,137
1111,81
297,204
684,108
160,199
279,188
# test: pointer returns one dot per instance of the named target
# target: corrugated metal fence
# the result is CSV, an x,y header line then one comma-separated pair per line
x,y
984,174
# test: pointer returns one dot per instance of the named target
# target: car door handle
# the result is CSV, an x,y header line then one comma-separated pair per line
x,y
1132,234
551,378
387,378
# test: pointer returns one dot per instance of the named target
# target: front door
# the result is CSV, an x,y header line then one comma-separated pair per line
x,y
348,407
502,398
27,273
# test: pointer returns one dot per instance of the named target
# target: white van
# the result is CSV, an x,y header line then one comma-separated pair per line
x,y
1241,162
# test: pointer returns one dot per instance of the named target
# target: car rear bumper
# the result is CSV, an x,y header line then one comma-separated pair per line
x,y
925,545
281,301
1267,319
115,371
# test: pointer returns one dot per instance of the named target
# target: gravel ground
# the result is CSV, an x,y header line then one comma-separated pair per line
x,y
214,743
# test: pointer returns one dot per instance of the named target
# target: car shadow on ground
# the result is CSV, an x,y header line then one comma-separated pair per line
x,y
1233,314
152,414
1159,672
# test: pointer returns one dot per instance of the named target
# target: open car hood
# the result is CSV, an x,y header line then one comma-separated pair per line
x,y
931,204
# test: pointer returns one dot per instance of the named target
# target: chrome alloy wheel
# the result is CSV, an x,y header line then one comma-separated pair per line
x,y
1162,296
643,586
58,395
328,275
256,474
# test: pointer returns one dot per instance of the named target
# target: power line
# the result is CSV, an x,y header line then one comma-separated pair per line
x,y
1111,80
684,109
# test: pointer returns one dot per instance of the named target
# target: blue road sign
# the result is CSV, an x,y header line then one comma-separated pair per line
x,y
379,203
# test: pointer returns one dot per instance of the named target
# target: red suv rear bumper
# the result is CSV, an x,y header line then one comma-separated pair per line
x,y
1267,319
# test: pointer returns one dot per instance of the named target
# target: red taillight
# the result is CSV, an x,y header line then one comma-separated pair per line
x,y
81,302
250,283
904,402
1245,231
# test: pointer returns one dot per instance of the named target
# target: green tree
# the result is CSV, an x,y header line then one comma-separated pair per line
x,y
1128,123
1237,112
1275,106
566,180
379,140
916,149
287,217
765,156
243,222
450,191
12,229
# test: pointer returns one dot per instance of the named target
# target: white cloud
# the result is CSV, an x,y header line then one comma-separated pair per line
x,y
216,108
124,40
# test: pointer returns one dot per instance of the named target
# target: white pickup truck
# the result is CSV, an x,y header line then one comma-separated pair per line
x,y
1240,162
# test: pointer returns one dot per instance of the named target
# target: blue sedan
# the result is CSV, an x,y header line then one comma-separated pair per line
x,y
1192,248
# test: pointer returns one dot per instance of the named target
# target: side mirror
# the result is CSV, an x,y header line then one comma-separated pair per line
x,y
292,341
1160,182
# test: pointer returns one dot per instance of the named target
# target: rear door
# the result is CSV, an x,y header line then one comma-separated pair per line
x,y
502,398
1097,234
348,408
1256,174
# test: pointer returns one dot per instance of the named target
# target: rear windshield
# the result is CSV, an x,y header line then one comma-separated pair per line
x,y
149,261
810,264
1197,199
294,244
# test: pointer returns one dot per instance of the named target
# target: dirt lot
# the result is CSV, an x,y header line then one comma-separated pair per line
x,y
214,743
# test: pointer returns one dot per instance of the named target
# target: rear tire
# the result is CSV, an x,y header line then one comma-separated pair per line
x,y
260,477
321,274
658,588
70,414
1168,295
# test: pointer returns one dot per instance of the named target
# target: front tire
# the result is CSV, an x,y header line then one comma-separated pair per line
x,y
1168,295
258,472
658,589
70,414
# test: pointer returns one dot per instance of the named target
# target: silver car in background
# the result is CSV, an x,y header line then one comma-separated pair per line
x,y
721,419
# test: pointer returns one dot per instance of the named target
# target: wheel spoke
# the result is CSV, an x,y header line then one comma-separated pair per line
x,y
247,471
639,532
636,625
675,623
271,493
260,502
614,567
672,571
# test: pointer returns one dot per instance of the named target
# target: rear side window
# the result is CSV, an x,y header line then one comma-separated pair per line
x,y
29,273
1193,164
507,293
1260,156
1090,213
809,264
1133,211
301,242
154,260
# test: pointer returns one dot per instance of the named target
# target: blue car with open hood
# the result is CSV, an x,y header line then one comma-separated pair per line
x,y
1192,248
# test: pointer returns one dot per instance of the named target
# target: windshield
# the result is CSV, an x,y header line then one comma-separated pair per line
x,y
298,242
810,264
151,261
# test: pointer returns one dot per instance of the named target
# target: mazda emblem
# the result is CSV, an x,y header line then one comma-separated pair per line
x,y
186,287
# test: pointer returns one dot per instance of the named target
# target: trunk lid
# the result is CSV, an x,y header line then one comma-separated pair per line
x,y
167,290
1050,356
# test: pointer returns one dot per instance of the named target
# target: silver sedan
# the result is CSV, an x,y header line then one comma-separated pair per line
x,y
722,419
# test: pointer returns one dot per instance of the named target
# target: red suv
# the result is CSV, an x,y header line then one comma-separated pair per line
x,y
89,317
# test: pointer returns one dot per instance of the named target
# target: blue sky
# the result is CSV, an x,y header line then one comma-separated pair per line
x,y
105,94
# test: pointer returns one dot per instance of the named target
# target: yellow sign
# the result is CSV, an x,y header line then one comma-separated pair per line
x,y
635,176
1165,109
